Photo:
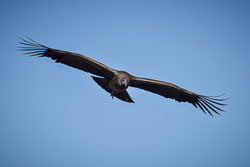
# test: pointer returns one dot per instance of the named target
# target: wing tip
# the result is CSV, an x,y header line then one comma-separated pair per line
x,y
32,48
210,104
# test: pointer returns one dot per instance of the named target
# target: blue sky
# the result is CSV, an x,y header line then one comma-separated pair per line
x,y
54,115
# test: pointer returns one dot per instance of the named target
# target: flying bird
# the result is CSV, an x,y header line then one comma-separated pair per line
x,y
116,82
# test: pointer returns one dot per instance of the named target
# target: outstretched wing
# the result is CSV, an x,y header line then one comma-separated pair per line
x,y
168,90
75,60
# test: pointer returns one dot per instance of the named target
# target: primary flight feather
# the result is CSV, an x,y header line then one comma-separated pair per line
x,y
116,82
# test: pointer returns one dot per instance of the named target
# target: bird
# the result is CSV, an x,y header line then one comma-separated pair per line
x,y
116,82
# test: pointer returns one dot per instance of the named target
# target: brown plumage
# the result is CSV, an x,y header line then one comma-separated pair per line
x,y
116,82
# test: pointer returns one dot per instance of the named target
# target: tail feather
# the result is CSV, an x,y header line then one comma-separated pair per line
x,y
124,96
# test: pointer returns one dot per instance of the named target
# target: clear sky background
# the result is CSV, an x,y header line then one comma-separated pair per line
x,y
54,115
